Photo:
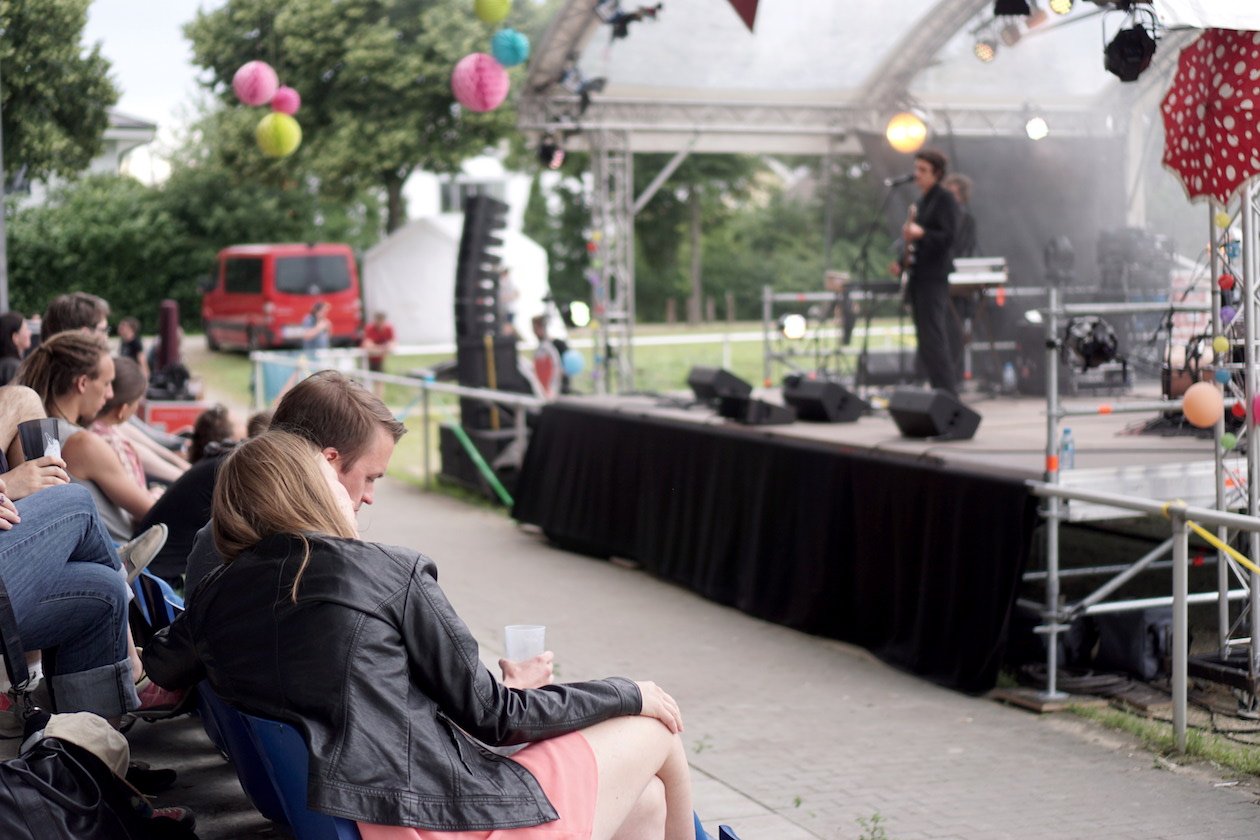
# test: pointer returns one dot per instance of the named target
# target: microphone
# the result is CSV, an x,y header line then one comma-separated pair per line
x,y
899,180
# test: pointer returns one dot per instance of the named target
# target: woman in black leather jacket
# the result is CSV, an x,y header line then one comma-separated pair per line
x,y
355,644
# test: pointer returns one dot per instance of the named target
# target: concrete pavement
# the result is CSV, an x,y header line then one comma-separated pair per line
x,y
789,736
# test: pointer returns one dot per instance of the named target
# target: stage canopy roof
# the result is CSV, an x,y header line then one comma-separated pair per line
x,y
816,73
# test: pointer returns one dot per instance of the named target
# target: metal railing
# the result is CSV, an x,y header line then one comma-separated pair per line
x,y
1179,514
352,362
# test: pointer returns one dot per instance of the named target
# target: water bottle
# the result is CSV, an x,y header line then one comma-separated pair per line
x,y
1009,380
1067,450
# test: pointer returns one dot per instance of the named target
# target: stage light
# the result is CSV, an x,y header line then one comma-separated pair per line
x,y
579,314
985,48
1089,342
1036,129
1011,8
1129,53
793,327
1010,34
906,132
551,152
1061,7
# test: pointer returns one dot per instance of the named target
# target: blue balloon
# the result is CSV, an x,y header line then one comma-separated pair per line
x,y
1222,375
509,47
574,362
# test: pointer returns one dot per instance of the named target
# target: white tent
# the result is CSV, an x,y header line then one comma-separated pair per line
x,y
411,276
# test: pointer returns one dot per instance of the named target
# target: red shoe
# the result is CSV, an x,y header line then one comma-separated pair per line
x,y
155,700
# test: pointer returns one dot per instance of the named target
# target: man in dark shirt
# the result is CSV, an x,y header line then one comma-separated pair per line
x,y
930,240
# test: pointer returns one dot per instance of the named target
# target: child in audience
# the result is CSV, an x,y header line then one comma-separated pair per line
x,y
129,386
390,721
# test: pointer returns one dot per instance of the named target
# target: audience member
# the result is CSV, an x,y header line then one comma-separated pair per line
x,y
406,684
258,423
317,328
378,341
15,340
128,387
72,372
185,507
75,311
213,428
548,366
130,345
17,405
353,428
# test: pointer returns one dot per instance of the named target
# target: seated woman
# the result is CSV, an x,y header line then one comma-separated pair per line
x,y
129,386
356,644
214,431
72,373
15,340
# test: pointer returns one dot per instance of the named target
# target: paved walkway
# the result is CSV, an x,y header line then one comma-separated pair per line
x,y
790,736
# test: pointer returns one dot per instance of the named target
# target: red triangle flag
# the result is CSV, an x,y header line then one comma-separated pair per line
x,y
747,11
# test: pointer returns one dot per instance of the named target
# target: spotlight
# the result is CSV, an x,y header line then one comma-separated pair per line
x,y
906,132
1061,7
1011,8
1010,34
1129,53
985,49
1089,342
1037,129
793,327
551,153
579,314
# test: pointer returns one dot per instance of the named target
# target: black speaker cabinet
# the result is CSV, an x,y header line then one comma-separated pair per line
x,y
922,413
710,384
752,412
821,401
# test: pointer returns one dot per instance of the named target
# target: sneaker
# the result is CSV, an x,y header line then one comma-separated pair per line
x,y
148,781
156,701
180,814
139,552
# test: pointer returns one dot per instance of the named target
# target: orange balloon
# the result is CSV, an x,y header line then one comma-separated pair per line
x,y
1203,404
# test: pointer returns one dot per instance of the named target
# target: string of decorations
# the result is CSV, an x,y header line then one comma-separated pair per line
x,y
480,80
255,83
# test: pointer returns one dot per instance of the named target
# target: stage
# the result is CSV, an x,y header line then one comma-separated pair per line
x,y
913,549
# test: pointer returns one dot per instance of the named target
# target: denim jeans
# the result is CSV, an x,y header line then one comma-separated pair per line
x,y
70,600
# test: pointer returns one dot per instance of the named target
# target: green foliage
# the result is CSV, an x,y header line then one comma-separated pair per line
x,y
107,235
55,96
374,76
873,828
560,230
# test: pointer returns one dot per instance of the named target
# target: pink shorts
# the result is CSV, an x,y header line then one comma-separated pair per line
x,y
565,769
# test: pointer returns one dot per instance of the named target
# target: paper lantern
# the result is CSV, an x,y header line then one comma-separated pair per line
x,y
1227,314
492,11
1226,282
1255,407
1238,410
255,83
1228,441
1202,404
1222,219
479,82
1220,344
1222,375
286,100
278,135
509,47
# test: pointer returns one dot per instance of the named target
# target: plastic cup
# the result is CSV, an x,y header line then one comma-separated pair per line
x,y
523,641
39,438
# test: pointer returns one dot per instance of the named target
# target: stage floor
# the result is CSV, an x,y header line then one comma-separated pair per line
x,y
1111,455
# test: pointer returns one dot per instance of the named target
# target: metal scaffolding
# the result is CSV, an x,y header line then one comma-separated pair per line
x,y
612,264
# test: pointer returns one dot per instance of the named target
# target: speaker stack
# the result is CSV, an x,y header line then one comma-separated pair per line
x,y
924,413
710,384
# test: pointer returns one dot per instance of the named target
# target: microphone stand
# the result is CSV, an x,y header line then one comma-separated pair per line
x,y
862,269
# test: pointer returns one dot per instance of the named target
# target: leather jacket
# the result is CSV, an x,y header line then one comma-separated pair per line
x,y
375,668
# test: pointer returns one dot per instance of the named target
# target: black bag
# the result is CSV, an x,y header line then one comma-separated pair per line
x,y
58,791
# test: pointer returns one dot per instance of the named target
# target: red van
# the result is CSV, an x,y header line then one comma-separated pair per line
x,y
258,293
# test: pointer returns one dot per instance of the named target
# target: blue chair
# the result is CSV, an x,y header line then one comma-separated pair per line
x,y
242,750
724,831
285,754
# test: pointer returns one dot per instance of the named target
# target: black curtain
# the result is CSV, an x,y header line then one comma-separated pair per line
x,y
914,561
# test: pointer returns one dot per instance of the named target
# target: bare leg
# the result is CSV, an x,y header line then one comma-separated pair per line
x,y
17,405
630,753
647,818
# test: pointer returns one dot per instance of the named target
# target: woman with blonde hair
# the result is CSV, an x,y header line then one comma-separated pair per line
x,y
356,644
73,374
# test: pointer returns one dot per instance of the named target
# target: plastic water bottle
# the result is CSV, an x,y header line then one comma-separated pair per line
x,y
1067,450
1008,378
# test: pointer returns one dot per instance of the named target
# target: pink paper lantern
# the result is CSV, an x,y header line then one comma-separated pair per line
x,y
255,83
286,100
479,82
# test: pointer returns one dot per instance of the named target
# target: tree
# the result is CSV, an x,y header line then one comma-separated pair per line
x,y
374,76
55,96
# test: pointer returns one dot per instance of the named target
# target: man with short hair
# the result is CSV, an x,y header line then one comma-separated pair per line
x,y
355,431
75,311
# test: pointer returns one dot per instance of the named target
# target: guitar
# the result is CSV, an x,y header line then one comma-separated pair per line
x,y
907,256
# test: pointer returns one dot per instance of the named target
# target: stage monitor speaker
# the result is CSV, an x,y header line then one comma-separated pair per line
x,y
752,412
923,413
710,384
822,401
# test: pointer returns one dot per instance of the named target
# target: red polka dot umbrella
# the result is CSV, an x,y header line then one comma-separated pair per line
x,y
1211,133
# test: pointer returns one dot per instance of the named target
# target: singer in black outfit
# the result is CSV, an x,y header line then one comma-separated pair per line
x,y
932,235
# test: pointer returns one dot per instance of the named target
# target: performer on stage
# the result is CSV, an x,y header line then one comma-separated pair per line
x,y
929,239
965,245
